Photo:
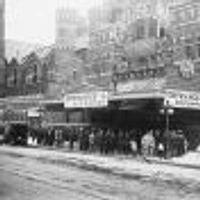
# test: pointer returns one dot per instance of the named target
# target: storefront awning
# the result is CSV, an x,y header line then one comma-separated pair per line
x,y
123,96
52,101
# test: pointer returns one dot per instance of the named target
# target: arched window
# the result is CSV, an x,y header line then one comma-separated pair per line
x,y
15,76
74,74
162,32
35,78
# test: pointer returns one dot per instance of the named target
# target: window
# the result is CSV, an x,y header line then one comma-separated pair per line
x,y
188,52
162,32
29,79
198,47
74,74
140,29
198,50
31,75
35,74
152,60
143,62
15,76
152,29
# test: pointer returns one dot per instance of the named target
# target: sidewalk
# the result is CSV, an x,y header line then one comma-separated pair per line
x,y
189,160
118,165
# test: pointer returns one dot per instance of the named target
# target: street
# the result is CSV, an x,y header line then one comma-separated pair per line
x,y
24,177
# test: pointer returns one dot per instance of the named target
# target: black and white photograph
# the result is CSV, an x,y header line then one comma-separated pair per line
x,y
99,99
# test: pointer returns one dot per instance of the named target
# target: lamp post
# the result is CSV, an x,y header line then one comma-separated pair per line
x,y
168,111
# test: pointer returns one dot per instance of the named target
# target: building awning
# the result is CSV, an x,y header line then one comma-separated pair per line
x,y
52,101
68,124
148,95
171,97
16,122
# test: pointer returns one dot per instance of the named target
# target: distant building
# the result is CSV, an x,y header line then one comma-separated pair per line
x,y
70,44
70,26
30,75
2,28
2,48
13,78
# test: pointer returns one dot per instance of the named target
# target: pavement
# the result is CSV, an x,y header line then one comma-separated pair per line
x,y
188,160
126,166
39,174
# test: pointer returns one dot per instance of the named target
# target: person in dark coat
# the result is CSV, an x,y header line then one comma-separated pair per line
x,y
71,139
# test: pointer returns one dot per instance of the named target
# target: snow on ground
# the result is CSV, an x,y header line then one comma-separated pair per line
x,y
120,165
190,158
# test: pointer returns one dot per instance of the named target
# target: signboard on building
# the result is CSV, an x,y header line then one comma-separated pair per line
x,y
86,100
151,84
33,112
187,69
185,14
182,99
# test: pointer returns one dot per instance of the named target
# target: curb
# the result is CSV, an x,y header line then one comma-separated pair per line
x,y
166,162
147,160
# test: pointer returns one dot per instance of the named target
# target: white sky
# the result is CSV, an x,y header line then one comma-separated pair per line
x,y
33,21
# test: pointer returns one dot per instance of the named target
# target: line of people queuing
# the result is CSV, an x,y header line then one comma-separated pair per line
x,y
114,140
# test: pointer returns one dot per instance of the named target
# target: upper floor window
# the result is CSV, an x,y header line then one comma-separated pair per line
x,y
15,76
189,52
62,32
152,28
74,74
12,78
198,47
140,29
35,78
32,75
162,32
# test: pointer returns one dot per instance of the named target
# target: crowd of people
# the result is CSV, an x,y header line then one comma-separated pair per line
x,y
114,140
102,140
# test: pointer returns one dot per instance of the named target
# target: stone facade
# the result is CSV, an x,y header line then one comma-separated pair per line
x,y
142,40
2,29
66,72
70,26
70,52
2,48
30,75
13,78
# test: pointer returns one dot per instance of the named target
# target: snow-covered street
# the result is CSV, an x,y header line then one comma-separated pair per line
x,y
43,174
